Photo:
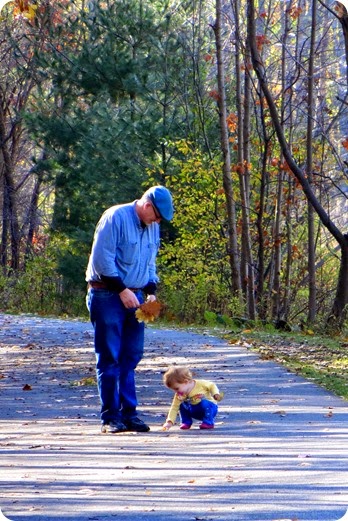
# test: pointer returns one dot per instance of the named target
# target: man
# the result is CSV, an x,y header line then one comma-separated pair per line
x,y
120,271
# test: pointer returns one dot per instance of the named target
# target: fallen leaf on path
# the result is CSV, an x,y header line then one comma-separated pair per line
x,y
27,387
30,346
88,380
281,413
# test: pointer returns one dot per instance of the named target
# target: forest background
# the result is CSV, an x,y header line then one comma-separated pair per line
x,y
240,109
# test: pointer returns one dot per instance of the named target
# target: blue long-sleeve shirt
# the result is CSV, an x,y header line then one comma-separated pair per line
x,y
124,247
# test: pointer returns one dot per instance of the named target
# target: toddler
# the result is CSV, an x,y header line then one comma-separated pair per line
x,y
193,399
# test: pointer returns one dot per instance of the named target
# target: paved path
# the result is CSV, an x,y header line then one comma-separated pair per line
x,y
279,451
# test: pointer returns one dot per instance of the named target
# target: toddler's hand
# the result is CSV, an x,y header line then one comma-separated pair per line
x,y
218,397
167,426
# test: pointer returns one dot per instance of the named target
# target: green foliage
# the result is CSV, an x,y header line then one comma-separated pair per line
x,y
35,290
194,267
39,289
210,318
190,300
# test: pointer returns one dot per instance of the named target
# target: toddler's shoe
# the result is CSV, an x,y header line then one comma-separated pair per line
x,y
185,426
206,426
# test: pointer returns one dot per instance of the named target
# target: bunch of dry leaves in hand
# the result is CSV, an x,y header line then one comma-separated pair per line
x,y
148,311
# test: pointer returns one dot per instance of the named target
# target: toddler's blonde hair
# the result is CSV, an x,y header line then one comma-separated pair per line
x,y
176,375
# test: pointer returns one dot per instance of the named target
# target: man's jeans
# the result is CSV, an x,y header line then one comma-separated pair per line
x,y
119,347
205,411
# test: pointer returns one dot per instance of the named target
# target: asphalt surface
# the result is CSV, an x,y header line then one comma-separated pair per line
x,y
279,451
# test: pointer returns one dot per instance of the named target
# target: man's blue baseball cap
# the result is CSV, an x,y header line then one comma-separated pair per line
x,y
162,200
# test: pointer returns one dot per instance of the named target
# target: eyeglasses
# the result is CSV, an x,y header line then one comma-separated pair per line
x,y
157,215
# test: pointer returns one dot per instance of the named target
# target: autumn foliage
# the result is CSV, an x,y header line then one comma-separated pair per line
x,y
148,311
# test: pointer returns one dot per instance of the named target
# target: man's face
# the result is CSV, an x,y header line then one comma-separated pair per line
x,y
150,214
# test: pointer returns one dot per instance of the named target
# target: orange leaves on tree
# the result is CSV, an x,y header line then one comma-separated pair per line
x,y
262,102
214,94
39,242
296,252
25,9
23,5
241,168
148,311
261,40
282,165
232,121
295,12
246,66
345,143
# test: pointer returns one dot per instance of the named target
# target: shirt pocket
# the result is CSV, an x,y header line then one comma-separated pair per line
x,y
128,254
151,252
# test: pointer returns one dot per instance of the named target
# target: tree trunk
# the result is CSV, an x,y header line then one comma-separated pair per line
x,y
227,179
277,308
310,218
343,18
243,130
339,311
10,213
246,202
261,298
4,231
32,218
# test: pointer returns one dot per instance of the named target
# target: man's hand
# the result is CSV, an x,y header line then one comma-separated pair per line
x,y
129,299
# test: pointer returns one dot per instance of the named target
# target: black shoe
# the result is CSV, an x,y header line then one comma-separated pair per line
x,y
113,427
136,425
